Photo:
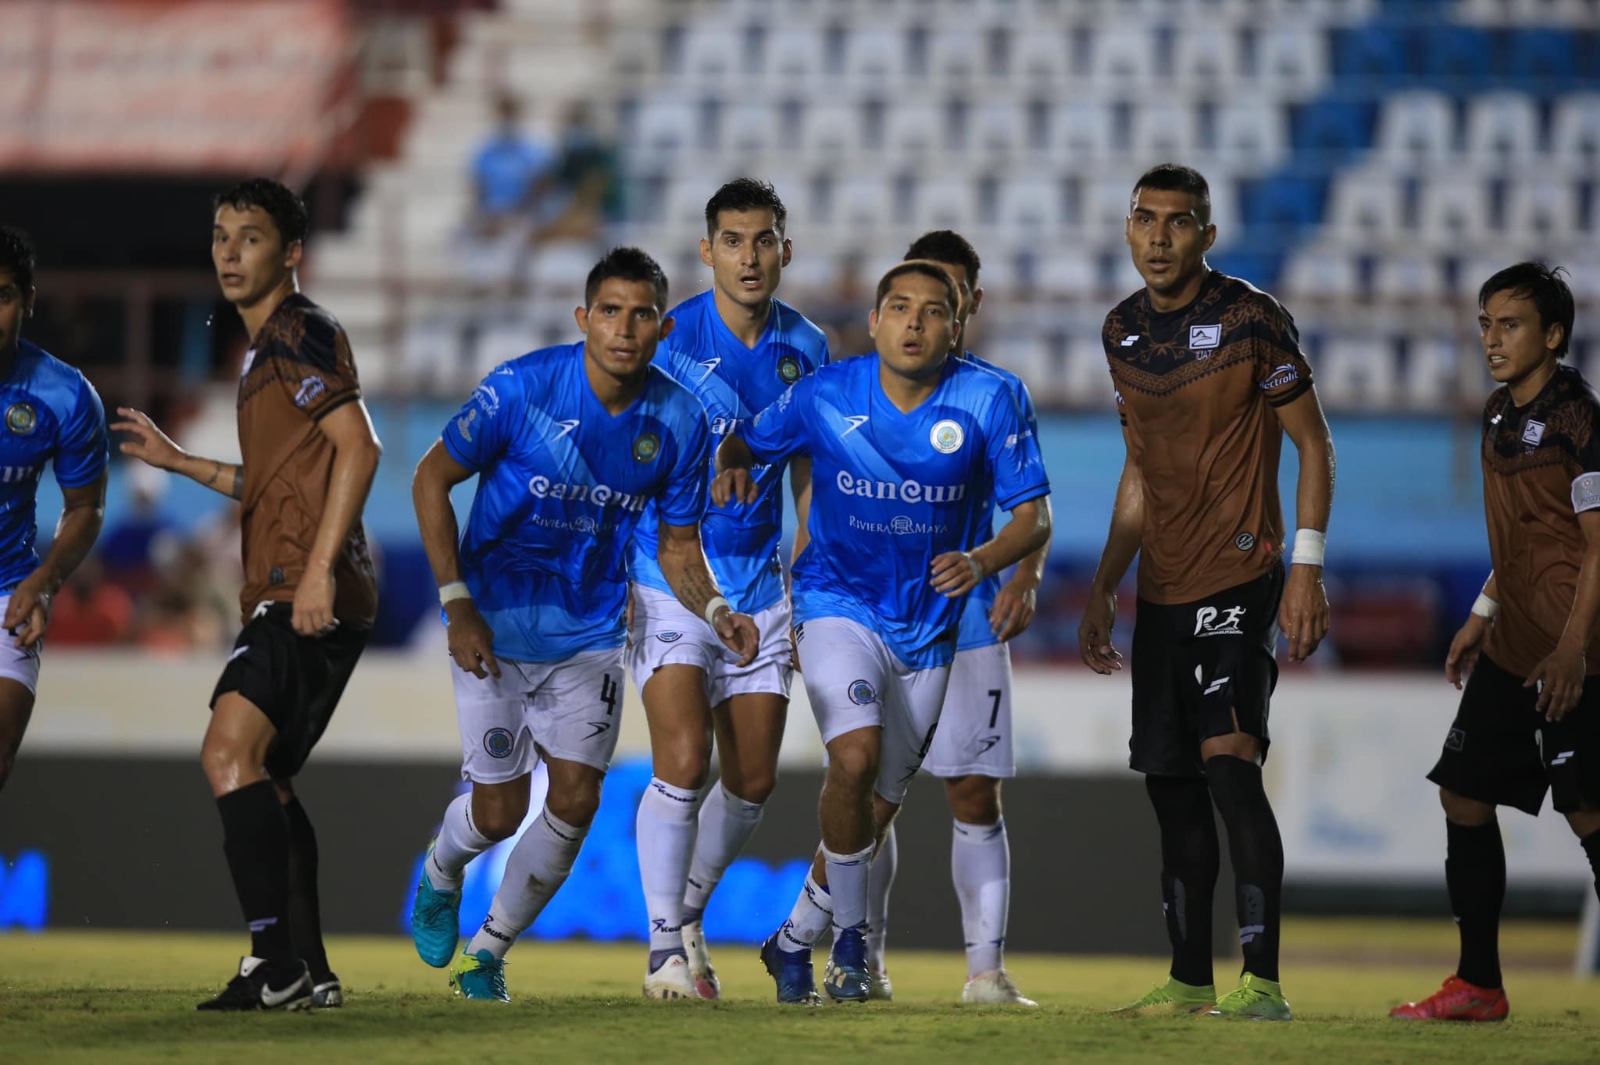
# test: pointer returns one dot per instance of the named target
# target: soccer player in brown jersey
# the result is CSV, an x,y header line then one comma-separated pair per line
x,y
309,599
1209,376
1529,653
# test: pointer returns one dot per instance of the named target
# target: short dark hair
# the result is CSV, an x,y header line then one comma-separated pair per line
x,y
16,255
926,270
288,211
746,194
1170,177
947,246
1545,286
626,264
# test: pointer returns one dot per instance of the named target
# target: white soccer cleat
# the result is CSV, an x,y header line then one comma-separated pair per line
x,y
879,986
701,973
670,981
993,988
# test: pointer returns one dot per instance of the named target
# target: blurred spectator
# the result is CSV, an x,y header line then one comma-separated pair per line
x,y
125,548
842,309
586,193
90,609
509,174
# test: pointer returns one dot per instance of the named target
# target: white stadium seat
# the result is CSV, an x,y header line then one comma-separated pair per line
x,y
996,132
916,130
1366,206
1503,129
1292,60
1040,58
1068,275
713,55
1080,135
1161,132
1409,276
1319,272
795,59
1122,58
1416,130
1453,213
945,203
1206,55
1252,135
666,129
875,59
1544,209
1031,205
1575,133
830,129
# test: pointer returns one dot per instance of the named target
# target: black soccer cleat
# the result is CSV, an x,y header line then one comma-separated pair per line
x,y
328,994
263,985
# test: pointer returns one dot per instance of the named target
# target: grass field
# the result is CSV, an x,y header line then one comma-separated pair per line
x,y
125,997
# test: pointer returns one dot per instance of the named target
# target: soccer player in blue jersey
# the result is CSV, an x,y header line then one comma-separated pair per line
x,y
570,444
906,446
51,414
737,348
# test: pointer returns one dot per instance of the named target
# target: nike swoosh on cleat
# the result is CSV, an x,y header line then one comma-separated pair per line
x,y
273,999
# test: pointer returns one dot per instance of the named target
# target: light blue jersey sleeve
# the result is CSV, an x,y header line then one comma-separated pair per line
x,y
684,500
481,430
782,429
82,450
1014,457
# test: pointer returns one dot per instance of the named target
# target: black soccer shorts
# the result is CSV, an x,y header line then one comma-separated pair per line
x,y
1200,670
295,680
1501,750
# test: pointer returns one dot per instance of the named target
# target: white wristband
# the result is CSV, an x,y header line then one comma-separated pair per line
x,y
1308,547
1485,607
715,605
453,590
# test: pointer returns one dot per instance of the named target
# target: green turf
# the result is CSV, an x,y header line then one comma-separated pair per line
x,y
114,997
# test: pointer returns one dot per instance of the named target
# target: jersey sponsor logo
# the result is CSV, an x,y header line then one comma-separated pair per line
x,y
647,447
488,400
310,388
723,426
1532,433
1129,342
601,495
862,693
464,425
21,418
489,931
1455,740
1244,541
1208,621
946,437
14,474
789,369
1287,374
899,525
904,491
669,637
856,421
1204,337
498,742
710,368
566,427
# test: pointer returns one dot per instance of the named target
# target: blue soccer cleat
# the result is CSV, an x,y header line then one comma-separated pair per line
x,y
435,920
792,970
480,976
846,979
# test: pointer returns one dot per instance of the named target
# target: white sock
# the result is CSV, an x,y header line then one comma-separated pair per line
x,y
880,878
535,870
847,883
726,823
980,866
666,831
811,916
459,842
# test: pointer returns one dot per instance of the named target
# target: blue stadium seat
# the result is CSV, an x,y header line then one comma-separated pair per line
x,y
1282,205
1460,53
1372,52
1546,57
1329,131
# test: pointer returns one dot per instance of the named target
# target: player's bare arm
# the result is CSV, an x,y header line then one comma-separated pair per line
x,y
683,563
1018,598
734,460
470,640
955,573
147,443
800,487
1468,642
356,452
1304,613
82,514
1559,677
1122,544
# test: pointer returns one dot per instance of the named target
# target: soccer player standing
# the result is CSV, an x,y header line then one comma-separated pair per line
x,y
906,447
569,444
737,348
309,598
1209,376
1529,719
52,414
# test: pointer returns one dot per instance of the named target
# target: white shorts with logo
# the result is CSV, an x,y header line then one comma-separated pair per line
x,y
974,736
855,681
664,633
572,710
19,665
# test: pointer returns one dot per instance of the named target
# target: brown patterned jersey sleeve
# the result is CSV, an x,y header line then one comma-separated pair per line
x,y
1111,334
321,370
1281,370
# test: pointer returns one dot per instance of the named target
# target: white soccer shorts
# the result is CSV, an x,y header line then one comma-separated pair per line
x,y
855,681
974,736
664,633
572,709
19,665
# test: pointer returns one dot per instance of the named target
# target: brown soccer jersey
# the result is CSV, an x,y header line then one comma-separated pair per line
x,y
1534,463
1196,388
299,370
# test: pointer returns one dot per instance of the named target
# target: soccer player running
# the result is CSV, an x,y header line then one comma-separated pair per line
x,y
1209,375
309,598
569,444
906,447
1529,719
736,348
972,750
52,415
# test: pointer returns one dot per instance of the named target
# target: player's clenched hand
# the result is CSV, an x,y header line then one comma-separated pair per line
x,y
313,604
1559,679
470,638
1013,608
1304,613
738,633
1094,634
735,485
28,613
1463,656
955,573
146,442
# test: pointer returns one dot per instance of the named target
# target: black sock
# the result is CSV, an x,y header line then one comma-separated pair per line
x,y
1475,873
1591,847
1257,853
1190,858
255,837
305,913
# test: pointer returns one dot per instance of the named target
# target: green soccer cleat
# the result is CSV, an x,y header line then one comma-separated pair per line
x,y
435,920
1254,999
1172,998
480,976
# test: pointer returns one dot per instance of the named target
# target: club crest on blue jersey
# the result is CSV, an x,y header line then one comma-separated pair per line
x,y
862,693
21,418
646,447
498,742
946,437
789,369
669,637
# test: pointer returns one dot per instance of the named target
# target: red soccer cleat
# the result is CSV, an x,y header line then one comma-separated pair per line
x,y
1457,1000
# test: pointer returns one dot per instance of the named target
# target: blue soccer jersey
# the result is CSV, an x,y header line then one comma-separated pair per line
x,y
975,629
892,491
52,414
735,383
562,484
